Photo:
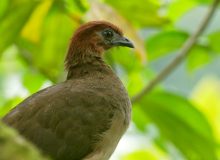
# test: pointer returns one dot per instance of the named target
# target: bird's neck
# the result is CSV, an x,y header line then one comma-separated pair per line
x,y
90,64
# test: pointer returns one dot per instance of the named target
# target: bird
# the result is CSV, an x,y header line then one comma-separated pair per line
x,y
85,116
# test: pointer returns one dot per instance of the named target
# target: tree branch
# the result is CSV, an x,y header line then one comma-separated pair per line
x,y
184,51
14,146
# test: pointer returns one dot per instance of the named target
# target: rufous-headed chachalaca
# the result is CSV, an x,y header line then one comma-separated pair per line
x,y
84,117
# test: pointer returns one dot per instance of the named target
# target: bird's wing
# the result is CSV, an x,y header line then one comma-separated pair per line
x,y
62,121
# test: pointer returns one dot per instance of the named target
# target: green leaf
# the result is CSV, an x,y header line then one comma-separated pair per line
x,y
12,23
47,54
182,124
165,43
77,7
204,1
178,8
198,56
3,7
141,13
56,33
8,105
139,118
214,40
140,155
32,81
123,56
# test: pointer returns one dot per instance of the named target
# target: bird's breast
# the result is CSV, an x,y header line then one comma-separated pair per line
x,y
109,139
115,94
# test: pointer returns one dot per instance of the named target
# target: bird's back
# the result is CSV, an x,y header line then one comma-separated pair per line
x,y
67,121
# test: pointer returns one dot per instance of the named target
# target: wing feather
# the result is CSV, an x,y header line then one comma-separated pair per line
x,y
63,121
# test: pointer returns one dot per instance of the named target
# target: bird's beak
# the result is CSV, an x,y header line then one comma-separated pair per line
x,y
122,41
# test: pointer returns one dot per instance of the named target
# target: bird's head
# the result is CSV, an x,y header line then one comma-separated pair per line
x,y
92,39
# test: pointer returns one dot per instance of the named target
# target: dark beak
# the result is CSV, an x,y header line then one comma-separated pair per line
x,y
122,41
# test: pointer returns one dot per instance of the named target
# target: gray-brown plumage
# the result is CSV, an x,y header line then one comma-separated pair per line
x,y
84,117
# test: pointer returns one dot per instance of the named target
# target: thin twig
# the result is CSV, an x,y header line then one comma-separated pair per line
x,y
184,51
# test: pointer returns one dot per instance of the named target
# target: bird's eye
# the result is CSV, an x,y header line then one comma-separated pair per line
x,y
108,33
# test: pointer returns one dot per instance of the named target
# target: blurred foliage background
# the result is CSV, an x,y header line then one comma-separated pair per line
x,y
178,120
